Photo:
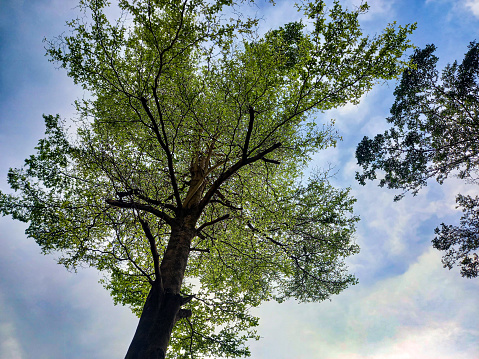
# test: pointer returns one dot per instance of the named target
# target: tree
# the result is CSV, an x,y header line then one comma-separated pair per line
x,y
435,134
183,180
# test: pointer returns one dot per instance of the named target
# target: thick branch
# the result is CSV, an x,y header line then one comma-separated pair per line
x,y
232,170
183,313
193,191
187,299
164,145
219,219
153,249
153,201
226,204
271,161
248,134
140,206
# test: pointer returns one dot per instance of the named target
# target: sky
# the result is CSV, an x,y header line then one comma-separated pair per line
x,y
406,305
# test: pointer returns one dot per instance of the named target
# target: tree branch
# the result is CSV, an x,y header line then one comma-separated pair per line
x,y
271,161
248,134
226,204
267,237
149,200
219,219
183,313
154,251
140,206
164,145
232,170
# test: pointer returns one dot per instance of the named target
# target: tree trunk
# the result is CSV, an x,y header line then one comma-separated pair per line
x,y
156,323
162,306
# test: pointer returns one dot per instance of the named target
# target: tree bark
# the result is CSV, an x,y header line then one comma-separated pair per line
x,y
162,307
156,323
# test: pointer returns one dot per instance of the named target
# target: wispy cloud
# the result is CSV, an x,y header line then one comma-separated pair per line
x,y
423,313
9,345
469,6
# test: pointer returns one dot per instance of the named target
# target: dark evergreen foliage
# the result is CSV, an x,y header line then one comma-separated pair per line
x,y
435,134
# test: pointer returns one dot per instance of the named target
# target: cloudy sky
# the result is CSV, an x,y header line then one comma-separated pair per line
x,y
405,305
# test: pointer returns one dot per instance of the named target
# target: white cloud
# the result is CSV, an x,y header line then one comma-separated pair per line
x,y
368,118
473,5
470,6
395,224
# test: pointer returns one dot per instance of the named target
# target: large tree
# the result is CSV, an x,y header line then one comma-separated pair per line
x,y
435,134
182,179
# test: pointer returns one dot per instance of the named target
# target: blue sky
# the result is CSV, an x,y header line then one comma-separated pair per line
x,y
405,305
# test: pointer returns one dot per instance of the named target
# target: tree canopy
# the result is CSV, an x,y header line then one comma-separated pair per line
x,y
182,179
434,135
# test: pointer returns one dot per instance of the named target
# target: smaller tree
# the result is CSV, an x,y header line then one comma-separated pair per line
x,y
435,134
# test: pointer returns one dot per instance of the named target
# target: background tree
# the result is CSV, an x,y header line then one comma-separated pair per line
x,y
435,134
183,179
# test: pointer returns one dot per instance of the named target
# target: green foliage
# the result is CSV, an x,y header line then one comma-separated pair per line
x,y
435,134
192,113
